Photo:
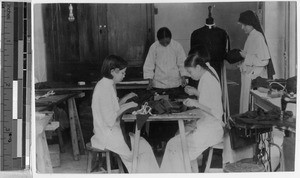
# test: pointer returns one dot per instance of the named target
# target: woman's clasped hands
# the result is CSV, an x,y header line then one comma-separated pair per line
x,y
190,102
191,90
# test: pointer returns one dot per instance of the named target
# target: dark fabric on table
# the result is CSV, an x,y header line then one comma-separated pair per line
x,y
174,93
245,127
265,83
291,84
258,117
161,106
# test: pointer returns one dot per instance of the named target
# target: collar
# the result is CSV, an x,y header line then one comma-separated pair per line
x,y
107,80
210,26
253,32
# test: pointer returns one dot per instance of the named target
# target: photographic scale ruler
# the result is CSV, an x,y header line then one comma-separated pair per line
x,y
15,85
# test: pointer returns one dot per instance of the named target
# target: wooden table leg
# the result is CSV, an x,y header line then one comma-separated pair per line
x,y
73,130
185,152
136,149
43,160
81,144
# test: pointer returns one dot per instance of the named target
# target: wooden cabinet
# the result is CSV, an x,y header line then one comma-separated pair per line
x,y
75,50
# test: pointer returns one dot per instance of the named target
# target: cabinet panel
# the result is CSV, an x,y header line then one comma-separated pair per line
x,y
78,48
93,40
129,31
67,34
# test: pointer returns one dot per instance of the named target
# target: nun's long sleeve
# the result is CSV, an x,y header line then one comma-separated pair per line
x,y
257,53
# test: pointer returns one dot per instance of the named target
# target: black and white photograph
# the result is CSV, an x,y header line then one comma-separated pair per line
x,y
149,88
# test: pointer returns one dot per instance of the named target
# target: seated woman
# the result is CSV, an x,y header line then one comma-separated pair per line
x,y
106,111
207,130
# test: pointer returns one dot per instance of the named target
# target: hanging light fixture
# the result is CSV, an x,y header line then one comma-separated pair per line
x,y
71,17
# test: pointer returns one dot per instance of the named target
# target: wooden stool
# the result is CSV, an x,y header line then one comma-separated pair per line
x,y
194,163
209,158
244,165
95,155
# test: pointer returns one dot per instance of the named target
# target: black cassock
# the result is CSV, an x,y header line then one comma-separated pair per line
x,y
216,40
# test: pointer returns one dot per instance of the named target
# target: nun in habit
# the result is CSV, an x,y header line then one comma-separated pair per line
x,y
257,60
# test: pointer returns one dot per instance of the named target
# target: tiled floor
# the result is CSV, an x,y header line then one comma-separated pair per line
x,y
69,165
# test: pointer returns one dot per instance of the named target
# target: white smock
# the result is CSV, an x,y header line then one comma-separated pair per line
x,y
254,65
165,65
107,131
207,132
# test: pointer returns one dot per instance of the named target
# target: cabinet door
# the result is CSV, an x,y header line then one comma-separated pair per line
x,y
91,33
80,46
130,31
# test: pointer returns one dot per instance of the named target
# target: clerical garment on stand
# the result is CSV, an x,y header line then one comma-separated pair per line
x,y
217,42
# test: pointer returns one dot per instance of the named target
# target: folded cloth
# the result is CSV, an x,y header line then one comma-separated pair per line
x,y
234,56
277,84
258,117
291,84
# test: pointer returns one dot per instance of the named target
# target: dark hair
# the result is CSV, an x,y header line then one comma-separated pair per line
x,y
164,32
199,56
112,62
250,18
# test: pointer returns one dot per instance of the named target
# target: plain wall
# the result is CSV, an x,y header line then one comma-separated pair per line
x,y
275,35
40,72
183,18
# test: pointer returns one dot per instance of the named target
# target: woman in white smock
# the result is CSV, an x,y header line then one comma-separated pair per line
x,y
163,66
207,130
256,56
106,111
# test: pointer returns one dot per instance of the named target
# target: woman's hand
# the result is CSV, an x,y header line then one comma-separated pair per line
x,y
243,53
127,97
126,106
129,105
190,102
150,85
183,81
191,90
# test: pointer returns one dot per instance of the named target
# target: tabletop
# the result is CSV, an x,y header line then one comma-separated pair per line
x,y
47,103
286,124
61,86
186,115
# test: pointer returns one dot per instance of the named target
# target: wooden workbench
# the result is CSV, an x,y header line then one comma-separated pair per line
x,y
263,101
59,86
179,117
43,161
48,103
